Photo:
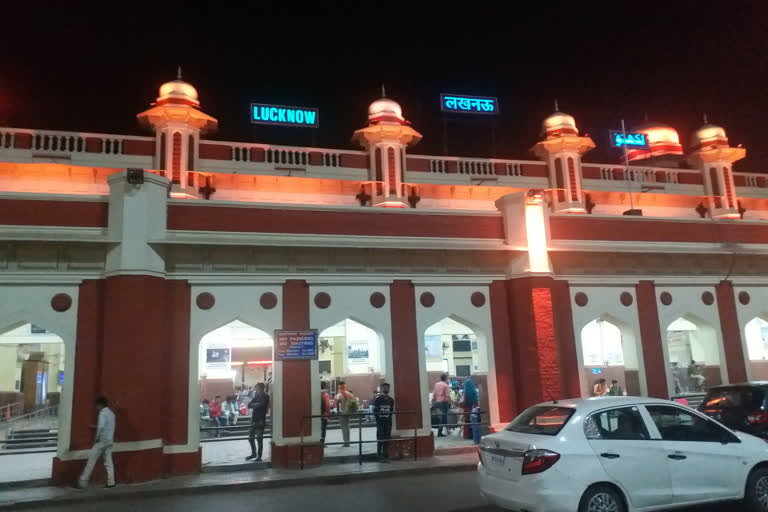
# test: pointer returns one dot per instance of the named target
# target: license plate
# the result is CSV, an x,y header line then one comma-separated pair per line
x,y
497,460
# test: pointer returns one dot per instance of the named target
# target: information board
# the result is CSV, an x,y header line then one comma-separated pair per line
x,y
462,104
629,140
283,115
296,344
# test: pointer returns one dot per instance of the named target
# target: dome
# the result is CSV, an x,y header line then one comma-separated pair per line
x,y
663,141
385,110
659,133
178,91
709,135
559,124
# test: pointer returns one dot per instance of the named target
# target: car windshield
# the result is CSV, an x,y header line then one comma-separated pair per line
x,y
541,419
733,398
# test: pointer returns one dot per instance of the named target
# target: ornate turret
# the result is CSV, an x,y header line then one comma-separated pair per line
x,y
664,149
386,137
711,152
178,122
562,148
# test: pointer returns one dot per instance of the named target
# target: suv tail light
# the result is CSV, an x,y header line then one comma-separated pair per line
x,y
538,461
758,418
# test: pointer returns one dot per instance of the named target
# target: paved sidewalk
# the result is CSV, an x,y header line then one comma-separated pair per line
x,y
241,480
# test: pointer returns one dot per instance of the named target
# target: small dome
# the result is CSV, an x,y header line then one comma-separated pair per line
x,y
385,110
178,88
709,135
559,124
662,140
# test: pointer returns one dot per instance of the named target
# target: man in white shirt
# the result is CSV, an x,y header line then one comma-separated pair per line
x,y
102,445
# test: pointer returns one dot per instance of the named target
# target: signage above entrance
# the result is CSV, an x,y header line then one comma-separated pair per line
x,y
296,344
468,104
628,139
262,113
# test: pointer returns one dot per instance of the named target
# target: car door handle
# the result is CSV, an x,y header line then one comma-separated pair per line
x,y
610,455
676,456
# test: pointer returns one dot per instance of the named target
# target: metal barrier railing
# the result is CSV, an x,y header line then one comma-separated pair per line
x,y
231,428
361,416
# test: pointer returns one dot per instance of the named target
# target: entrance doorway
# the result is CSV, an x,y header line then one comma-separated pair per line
x,y
756,335
31,380
693,353
609,352
232,360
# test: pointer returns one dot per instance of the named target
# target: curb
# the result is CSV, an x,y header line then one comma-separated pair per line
x,y
128,491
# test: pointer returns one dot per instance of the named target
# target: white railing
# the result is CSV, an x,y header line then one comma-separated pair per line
x,y
64,143
284,155
474,166
753,179
639,174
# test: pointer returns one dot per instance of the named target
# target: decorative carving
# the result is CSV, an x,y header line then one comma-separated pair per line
x,y
589,205
208,190
742,210
744,298
666,298
477,299
702,210
268,300
427,300
378,300
205,300
363,196
61,302
707,298
626,298
581,299
414,197
322,300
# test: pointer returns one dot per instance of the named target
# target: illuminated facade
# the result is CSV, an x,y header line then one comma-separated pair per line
x,y
133,249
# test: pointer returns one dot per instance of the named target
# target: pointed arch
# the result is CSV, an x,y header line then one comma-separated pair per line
x,y
756,342
609,349
694,355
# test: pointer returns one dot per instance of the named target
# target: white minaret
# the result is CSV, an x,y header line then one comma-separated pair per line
x,y
178,122
712,153
386,137
562,149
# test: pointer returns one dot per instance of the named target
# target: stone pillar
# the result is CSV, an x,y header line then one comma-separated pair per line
x,y
652,343
502,352
729,324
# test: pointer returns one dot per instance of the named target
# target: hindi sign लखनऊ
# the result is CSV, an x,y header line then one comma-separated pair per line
x,y
463,104
296,344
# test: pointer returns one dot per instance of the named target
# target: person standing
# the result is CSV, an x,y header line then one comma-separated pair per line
x,y
345,404
441,394
215,410
383,406
600,389
325,409
615,389
258,405
102,445
470,401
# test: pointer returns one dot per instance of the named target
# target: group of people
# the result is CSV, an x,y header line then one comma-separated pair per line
x,y
446,396
601,388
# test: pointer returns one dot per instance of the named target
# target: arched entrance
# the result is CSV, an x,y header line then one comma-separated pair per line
x,y
694,356
756,336
610,352
32,375
353,353
458,348
232,360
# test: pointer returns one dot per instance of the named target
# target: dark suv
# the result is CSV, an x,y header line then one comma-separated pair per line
x,y
741,407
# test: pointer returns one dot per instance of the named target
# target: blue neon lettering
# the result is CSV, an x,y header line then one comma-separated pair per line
x,y
309,117
469,104
631,139
273,114
281,115
290,114
299,116
256,113
265,113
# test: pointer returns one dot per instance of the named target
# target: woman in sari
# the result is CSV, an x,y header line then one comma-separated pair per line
x,y
470,400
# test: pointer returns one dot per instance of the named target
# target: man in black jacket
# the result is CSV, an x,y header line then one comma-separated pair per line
x,y
383,406
258,405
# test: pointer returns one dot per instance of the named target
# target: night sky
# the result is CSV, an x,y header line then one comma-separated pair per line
x,y
67,70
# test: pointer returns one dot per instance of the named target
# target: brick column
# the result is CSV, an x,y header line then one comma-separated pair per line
x,y
650,336
502,352
729,324
295,377
543,347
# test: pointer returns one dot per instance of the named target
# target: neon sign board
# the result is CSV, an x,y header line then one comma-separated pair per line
x,y
469,104
281,115
628,140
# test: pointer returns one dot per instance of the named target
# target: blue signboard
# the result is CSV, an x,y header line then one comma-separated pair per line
x,y
597,371
296,344
468,104
629,140
262,113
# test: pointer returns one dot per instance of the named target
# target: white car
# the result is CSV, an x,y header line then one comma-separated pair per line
x,y
620,454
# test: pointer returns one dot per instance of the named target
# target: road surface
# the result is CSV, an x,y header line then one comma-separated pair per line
x,y
446,492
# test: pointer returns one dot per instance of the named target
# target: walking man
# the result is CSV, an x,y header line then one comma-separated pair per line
x,y
346,404
441,394
325,409
258,405
102,445
383,406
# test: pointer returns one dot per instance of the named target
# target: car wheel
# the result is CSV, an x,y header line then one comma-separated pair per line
x,y
756,495
601,498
